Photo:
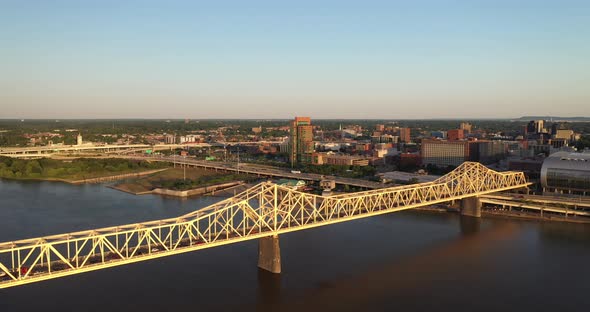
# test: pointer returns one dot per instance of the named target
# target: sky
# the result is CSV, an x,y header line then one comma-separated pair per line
x,y
279,59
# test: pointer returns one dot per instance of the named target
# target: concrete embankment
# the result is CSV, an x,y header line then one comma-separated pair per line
x,y
196,191
232,190
115,177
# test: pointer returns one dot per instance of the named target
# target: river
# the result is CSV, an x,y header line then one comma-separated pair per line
x,y
406,261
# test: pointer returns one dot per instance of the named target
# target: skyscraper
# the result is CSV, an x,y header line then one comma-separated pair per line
x,y
540,126
536,126
404,135
301,141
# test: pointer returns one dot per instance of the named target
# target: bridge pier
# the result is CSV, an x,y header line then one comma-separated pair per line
x,y
471,206
269,254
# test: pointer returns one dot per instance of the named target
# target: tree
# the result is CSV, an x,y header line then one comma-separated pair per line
x,y
413,181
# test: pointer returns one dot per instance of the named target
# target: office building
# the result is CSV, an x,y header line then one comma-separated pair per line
x,y
466,127
301,140
563,134
536,126
339,160
170,139
404,135
455,134
445,153
490,151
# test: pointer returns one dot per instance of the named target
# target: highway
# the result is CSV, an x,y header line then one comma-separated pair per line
x,y
261,170
564,205
45,151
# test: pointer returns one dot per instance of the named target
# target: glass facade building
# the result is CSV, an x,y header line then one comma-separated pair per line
x,y
566,172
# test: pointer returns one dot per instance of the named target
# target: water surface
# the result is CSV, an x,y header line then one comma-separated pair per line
x,y
407,261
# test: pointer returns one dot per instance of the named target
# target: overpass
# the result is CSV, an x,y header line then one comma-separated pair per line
x,y
262,171
564,205
262,212
44,151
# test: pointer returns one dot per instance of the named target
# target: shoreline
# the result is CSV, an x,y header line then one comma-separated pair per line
x,y
203,190
92,180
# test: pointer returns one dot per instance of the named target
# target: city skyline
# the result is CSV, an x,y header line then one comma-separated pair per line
x,y
266,60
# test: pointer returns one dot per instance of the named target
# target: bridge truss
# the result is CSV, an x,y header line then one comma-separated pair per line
x,y
263,210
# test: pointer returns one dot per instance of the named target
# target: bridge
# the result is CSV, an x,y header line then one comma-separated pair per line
x,y
49,150
262,212
260,170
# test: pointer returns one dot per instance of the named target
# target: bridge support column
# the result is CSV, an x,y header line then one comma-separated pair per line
x,y
269,254
471,206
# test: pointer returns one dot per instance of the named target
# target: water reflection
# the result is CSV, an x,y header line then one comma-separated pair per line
x,y
269,291
469,225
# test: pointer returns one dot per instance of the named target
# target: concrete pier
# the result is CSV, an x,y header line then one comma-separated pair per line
x,y
269,254
471,206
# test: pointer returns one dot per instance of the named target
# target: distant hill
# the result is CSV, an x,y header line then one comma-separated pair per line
x,y
554,118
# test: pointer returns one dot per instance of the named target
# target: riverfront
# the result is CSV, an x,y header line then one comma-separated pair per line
x,y
381,263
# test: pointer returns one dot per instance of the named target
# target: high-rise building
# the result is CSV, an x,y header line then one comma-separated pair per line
x,y
536,126
380,128
455,134
490,151
540,126
79,139
404,135
530,127
466,127
301,141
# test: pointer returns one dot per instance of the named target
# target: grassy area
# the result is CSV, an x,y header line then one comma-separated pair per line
x,y
173,179
75,169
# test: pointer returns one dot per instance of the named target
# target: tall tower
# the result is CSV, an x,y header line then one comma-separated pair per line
x,y
404,135
301,141
79,139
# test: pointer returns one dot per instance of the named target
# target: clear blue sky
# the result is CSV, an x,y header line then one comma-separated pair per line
x,y
278,59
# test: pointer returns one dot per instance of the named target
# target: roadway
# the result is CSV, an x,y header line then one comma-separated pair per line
x,y
262,171
563,205
44,151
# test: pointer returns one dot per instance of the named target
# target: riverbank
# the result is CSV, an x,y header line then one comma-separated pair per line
x,y
102,179
210,189
117,177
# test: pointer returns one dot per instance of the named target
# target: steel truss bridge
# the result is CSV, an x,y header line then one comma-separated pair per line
x,y
261,212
